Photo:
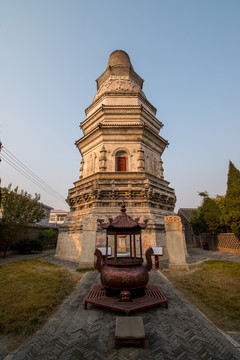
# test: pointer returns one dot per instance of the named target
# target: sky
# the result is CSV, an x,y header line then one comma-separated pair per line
x,y
51,53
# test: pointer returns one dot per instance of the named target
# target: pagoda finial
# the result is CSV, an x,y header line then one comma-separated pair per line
x,y
123,207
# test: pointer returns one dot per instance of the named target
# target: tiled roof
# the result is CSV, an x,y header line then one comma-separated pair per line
x,y
123,221
186,212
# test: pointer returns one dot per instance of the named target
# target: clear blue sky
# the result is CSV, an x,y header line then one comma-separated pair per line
x,y
187,51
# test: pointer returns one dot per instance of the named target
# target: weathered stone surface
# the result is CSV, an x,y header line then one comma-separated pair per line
x,y
120,124
176,243
129,327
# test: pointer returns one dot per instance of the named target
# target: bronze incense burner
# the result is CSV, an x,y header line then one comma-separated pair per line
x,y
124,272
124,276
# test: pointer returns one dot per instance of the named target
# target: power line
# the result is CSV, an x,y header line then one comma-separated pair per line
x,y
29,174
9,162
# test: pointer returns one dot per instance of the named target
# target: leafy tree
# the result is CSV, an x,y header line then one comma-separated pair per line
x,y
203,194
220,200
207,218
198,222
231,211
48,234
18,209
212,214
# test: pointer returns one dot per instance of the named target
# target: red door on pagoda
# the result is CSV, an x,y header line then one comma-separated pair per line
x,y
121,163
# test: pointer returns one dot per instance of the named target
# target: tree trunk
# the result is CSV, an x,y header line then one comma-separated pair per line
x,y
5,250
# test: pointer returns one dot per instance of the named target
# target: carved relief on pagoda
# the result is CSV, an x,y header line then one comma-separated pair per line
x,y
153,165
102,159
90,165
141,160
81,169
94,192
119,84
160,169
112,159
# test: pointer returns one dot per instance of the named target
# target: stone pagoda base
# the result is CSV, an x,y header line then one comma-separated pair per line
x,y
100,197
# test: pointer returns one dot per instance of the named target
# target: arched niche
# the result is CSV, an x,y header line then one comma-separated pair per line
x,y
121,160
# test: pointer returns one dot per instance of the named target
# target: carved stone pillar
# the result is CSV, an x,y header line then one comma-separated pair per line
x,y
161,169
81,169
102,159
175,242
141,162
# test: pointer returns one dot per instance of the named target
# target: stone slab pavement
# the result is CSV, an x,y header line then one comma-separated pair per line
x,y
198,255
179,332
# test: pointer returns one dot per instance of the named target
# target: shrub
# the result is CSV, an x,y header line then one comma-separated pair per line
x,y
29,245
49,239
48,234
18,209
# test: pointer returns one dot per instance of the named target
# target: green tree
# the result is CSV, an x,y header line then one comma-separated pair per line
x,y
220,199
203,194
198,222
212,214
207,218
231,213
18,209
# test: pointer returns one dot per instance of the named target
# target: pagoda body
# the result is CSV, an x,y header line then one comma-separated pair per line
x,y
121,159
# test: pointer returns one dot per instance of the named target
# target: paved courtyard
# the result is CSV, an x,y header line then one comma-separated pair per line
x,y
198,255
179,332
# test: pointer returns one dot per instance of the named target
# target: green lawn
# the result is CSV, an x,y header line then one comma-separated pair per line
x,y
214,288
31,290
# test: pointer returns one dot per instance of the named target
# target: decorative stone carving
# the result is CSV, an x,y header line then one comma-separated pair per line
x,y
173,223
92,165
176,243
161,170
141,162
102,159
93,192
118,84
81,169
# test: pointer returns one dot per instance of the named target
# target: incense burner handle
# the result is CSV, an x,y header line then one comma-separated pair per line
x,y
99,262
148,255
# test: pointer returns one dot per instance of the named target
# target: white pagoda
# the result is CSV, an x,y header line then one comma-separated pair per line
x,y
121,159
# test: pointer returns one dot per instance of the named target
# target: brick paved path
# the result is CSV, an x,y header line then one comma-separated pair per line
x,y
179,332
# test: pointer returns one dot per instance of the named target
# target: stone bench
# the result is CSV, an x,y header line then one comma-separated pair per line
x,y
129,330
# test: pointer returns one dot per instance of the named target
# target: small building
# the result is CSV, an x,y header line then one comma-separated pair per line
x,y
57,217
45,221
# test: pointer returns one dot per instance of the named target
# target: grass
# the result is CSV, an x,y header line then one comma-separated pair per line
x,y
214,288
31,291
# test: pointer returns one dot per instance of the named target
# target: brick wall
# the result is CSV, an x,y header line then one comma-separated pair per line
x,y
33,232
228,242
